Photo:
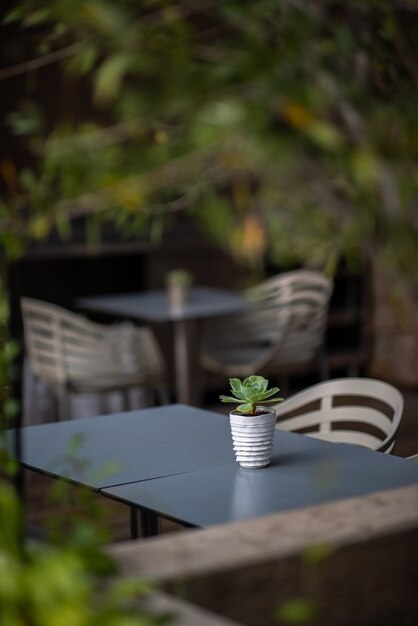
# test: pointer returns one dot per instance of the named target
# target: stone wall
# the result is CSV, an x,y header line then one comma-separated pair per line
x,y
354,560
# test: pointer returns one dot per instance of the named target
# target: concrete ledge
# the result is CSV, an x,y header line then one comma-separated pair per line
x,y
185,613
366,574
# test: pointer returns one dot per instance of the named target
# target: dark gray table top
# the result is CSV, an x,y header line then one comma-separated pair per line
x,y
154,306
304,472
121,448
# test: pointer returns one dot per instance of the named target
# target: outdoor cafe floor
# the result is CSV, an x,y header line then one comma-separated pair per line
x,y
42,510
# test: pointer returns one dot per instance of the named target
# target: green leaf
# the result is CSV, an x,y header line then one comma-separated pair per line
x,y
10,351
37,17
39,226
257,381
229,399
318,553
296,611
29,181
157,229
83,62
236,388
245,408
263,384
254,396
64,227
25,122
261,397
235,383
365,167
75,444
11,408
271,392
14,15
326,136
109,77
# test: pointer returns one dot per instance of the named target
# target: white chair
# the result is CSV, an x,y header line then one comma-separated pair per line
x,y
72,354
284,329
361,411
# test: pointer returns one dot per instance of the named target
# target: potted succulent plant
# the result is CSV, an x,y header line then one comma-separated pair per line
x,y
252,424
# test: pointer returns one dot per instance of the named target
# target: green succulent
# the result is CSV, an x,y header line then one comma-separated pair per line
x,y
179,277
250,392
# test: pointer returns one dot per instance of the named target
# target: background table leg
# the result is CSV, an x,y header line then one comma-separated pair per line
x,y
183,331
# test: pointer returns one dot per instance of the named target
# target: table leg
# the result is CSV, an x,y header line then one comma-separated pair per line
x,y
133,522
183,339
150,524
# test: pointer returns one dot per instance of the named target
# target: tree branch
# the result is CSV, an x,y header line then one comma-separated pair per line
x,y
46,59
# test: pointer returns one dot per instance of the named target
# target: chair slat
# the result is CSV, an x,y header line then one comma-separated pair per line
x,y
349,436
349,414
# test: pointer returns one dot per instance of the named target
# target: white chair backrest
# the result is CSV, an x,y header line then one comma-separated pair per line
x,y
301,299
297,285
63,346
285,325
361,411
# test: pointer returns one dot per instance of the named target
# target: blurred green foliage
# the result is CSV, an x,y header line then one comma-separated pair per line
x,y
303,114
46,585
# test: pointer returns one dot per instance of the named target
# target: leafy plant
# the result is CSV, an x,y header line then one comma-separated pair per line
x,y
250,392
179,277
218,115
69,583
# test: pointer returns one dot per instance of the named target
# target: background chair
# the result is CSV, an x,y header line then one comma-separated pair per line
x,y
71,354
362,411
284,329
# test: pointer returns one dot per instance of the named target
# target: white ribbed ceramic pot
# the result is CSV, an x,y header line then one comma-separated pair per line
x,y
252,436
177,295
